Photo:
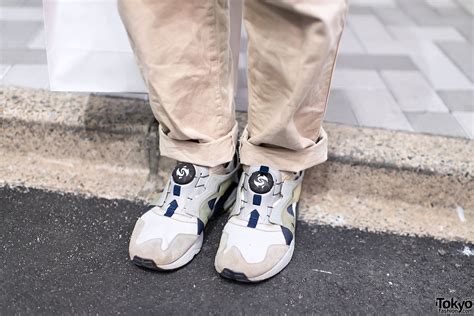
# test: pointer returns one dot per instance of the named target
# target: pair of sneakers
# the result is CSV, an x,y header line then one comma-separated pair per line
x,y
259,238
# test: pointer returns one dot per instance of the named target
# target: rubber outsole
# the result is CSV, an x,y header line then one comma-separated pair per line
x,y
235,276
145,263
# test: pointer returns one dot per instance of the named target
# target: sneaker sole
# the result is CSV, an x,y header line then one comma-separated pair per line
x,y
241,277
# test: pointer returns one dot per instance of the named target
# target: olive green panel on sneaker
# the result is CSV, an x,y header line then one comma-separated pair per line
x,y
205,210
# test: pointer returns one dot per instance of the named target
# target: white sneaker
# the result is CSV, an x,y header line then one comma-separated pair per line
x,y
259,237
170,233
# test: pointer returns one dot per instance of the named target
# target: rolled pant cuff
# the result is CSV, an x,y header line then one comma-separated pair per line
x,y
281,158
210,154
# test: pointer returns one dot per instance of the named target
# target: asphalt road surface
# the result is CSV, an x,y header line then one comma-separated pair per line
x,y
64,254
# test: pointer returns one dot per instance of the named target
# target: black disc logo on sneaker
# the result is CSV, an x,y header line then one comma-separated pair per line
x,y
261,182
184,173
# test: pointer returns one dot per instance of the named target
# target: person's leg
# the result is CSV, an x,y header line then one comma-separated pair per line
x,y
292,47
183,51
291,54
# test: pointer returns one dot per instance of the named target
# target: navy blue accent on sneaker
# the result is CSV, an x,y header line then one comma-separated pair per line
x,y
219,207
171,208
287,234
200,226
211,203
257,199
290,210
253,220
264,169
176,190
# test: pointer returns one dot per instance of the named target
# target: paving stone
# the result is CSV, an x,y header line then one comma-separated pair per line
x,y
241,100
21,3
24,14
33,3
427,16
242,78
419,11
39,41
349,43
28,76
357,79
455,12
466,119
360,9
23,56
386,48
368,27
367,61
242,60
468,5
442,33
446,10
436,66
393,16
3,70
462,54
339,109
463,24
374,36
243,43
436,123
447,7
17,34
466,30
11,3
377,108
460,100
412,91
374,3
442,4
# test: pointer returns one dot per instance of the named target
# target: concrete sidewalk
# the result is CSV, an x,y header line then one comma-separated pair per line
x,y
67,254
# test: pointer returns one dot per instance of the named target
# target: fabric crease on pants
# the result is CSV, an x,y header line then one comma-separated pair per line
x,y
183,51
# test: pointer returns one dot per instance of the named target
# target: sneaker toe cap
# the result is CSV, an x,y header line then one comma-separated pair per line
x,y
237,258
163,250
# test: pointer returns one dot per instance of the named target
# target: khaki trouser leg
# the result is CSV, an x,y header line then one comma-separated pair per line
x,y
292,49
183,51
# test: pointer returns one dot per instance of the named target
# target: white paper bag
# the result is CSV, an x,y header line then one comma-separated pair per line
x,y
88,49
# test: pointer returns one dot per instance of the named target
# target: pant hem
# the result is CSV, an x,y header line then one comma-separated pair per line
x,y
210,154
281,158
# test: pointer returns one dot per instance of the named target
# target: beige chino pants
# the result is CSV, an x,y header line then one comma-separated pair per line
x,y
183,51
